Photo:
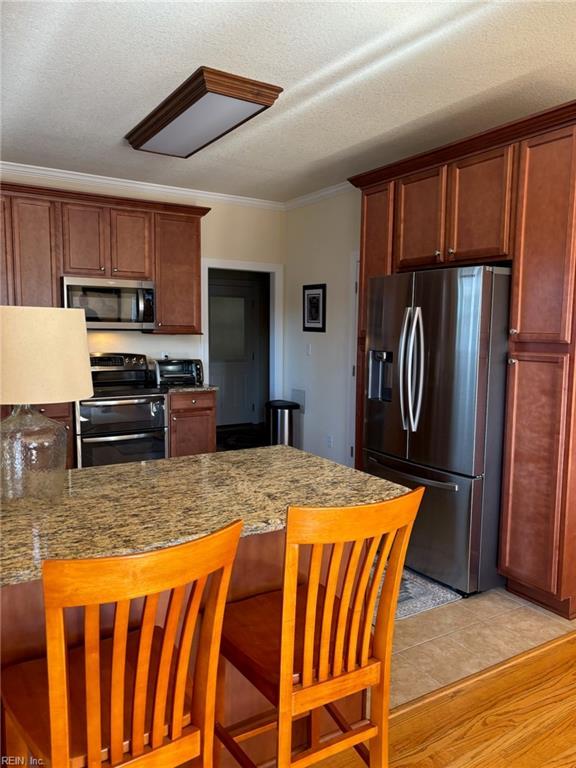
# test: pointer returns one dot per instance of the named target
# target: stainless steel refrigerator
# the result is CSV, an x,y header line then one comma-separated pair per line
x,y
434,411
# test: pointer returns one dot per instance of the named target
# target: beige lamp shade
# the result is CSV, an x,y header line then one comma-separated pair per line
x,y
44,355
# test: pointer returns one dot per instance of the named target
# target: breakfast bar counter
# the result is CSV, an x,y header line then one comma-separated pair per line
x,y
137,507
127,508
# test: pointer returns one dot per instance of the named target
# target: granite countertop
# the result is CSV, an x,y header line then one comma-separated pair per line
x,y
127,508
207,388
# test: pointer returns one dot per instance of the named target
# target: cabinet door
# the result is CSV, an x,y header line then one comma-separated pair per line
x,y
131,244
177,264
36,251
376,246
533,474
479,206
192,432
85,239
419,219
6,272
545,252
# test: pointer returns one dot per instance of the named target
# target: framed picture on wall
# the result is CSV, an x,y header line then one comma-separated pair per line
x,y
314,308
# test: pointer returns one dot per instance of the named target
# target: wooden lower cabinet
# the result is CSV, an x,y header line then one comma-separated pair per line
x,y
534,511
61,412
192,419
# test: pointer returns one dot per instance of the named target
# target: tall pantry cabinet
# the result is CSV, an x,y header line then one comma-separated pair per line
x,y
507,196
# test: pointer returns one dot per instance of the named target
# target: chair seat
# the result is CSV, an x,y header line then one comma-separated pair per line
x,y
25,696
251,637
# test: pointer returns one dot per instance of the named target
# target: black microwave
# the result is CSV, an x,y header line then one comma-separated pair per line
x,y
126,305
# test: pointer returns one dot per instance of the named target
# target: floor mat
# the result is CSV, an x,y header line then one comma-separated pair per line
x,y
417,594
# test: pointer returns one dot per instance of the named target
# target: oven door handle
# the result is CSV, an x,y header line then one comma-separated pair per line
x,y
135,401
116,438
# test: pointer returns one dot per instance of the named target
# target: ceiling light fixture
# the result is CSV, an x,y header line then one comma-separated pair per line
x,y
205,107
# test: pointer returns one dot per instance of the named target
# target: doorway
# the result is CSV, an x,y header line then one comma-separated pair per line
x,y
239,354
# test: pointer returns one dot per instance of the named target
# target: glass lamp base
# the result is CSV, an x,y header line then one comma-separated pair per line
x,y
33,455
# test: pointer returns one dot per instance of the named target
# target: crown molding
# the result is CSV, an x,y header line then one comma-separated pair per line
x,y
19,173
315,197
82,182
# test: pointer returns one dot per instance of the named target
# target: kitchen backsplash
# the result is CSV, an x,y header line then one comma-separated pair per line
x,y
146,344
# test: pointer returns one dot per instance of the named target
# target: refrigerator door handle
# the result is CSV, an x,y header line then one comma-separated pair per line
x,y
410,371
453,487
418,321
401,359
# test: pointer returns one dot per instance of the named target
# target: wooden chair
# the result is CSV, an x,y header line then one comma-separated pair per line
x,y
127,699
310,644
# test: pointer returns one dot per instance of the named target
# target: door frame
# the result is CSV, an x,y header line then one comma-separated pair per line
x,y
276,272
352,374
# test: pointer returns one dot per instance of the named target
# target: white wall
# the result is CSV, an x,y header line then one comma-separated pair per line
x,y
321,240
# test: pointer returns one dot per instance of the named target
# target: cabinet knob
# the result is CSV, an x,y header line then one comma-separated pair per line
x,y
173,418
512,361
42,410
158,324
102,269
193,402
513,331
437,253
115,269
451,252
67,426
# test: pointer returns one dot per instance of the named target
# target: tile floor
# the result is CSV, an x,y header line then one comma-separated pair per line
x,y
438,647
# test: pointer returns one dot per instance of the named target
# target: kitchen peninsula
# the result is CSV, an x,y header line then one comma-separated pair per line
x,y
127,508
136,507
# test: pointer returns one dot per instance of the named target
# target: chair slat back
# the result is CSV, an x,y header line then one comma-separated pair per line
x,y
154,695
352,580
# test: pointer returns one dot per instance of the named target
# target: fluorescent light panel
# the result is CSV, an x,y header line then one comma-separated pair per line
x,y
211,116
204,108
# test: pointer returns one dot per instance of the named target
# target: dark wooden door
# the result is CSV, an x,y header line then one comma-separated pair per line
x,y
479,206
545,256
177,265
192,432
86,239
36,251
131,244
6,265
534,468
419,219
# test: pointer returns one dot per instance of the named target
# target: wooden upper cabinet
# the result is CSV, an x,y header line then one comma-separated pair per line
x,y
545,251
376,245
419,219
36,251
131,244
6,263
86,240
533,469
177,251
479,206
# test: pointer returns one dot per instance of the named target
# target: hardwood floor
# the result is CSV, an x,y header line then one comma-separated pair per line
x,y
519,714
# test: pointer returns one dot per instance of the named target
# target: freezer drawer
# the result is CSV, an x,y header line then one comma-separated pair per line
x,y
446,542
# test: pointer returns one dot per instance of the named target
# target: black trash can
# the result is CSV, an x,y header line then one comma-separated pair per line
x,y
279,415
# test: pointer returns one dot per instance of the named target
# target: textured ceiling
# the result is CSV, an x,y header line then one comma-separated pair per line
x,y
365,83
